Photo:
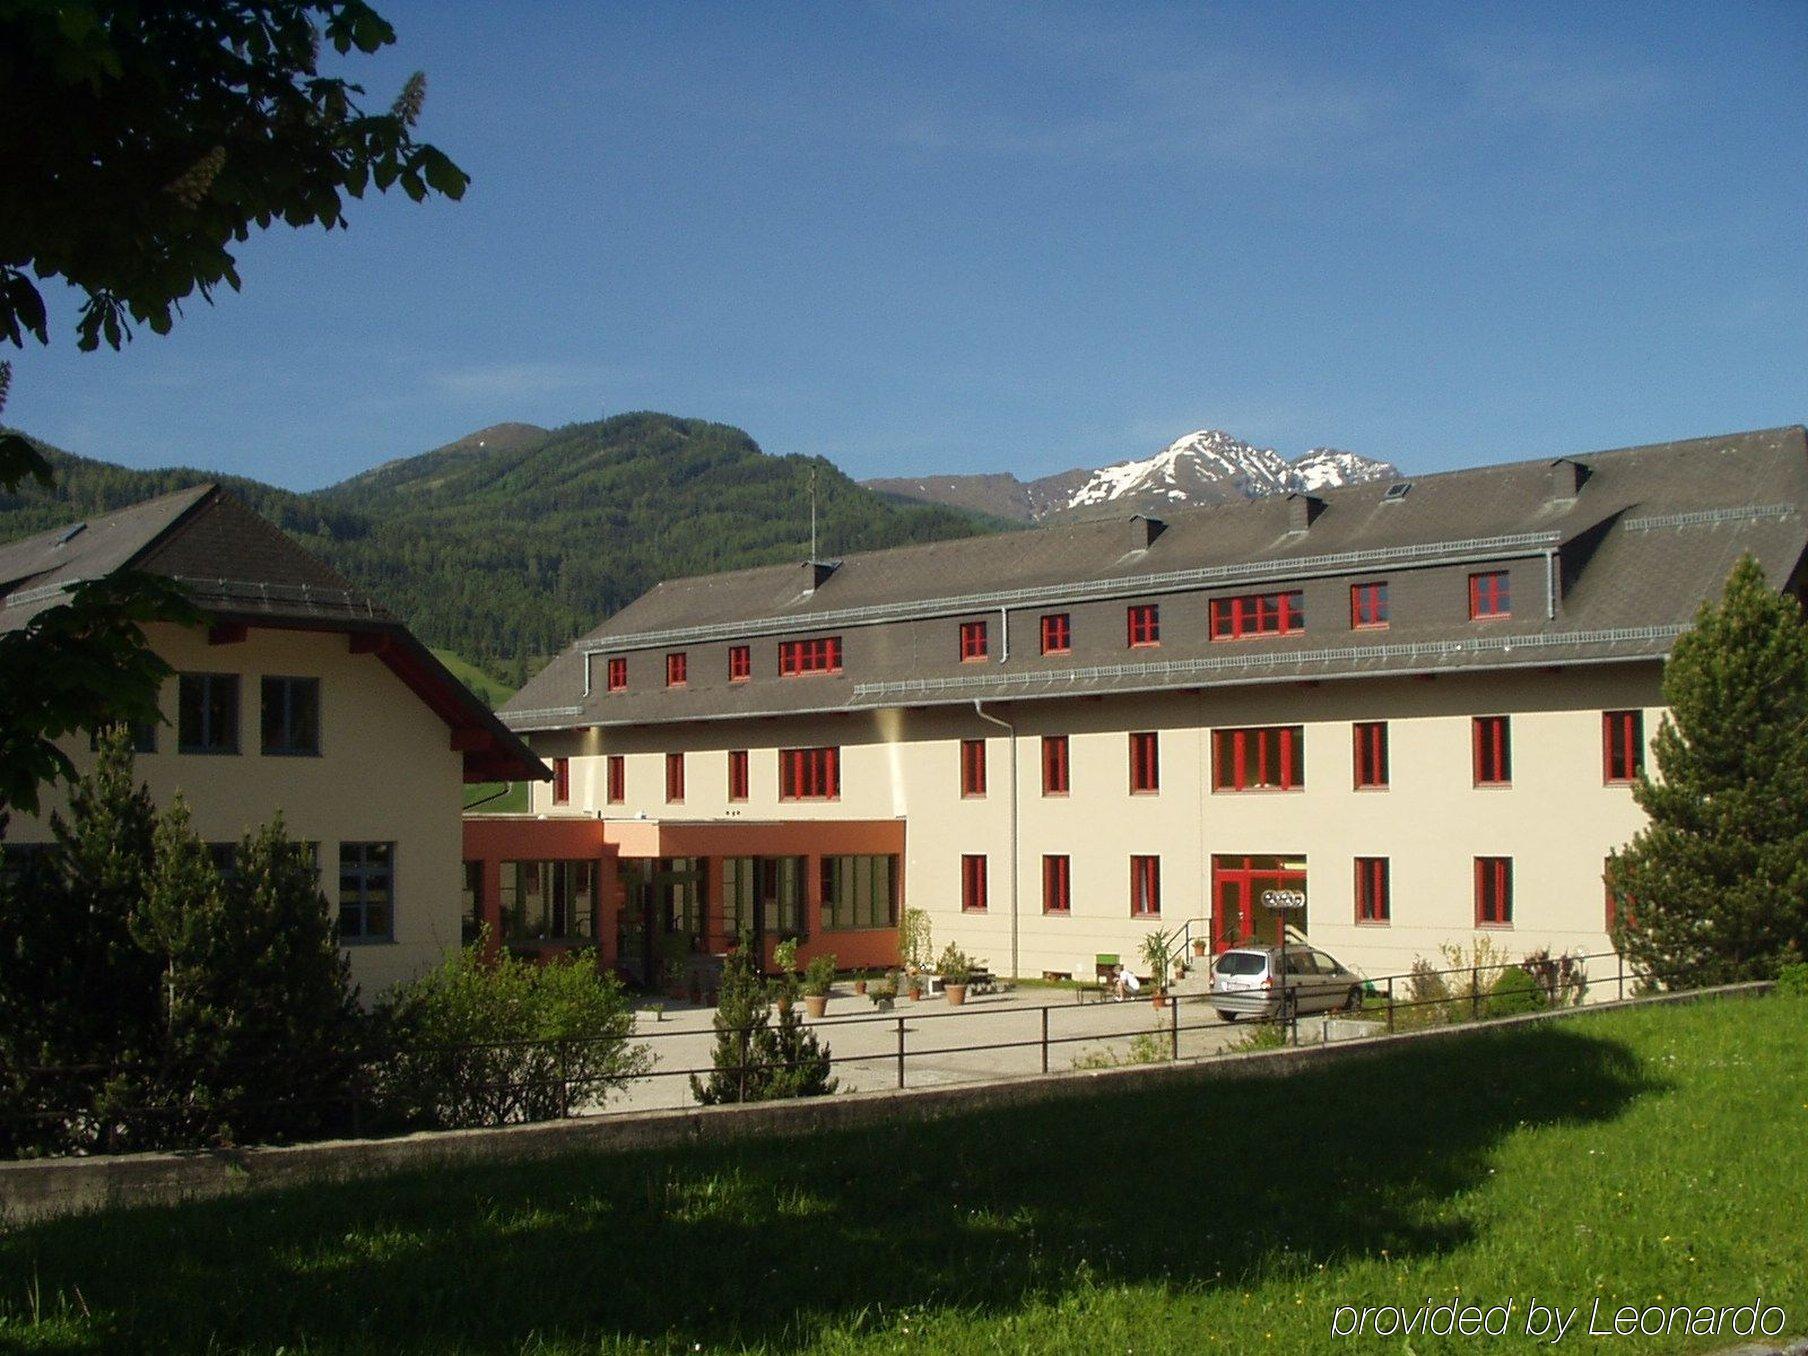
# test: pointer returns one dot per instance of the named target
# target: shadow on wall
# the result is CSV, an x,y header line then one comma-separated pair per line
x,y
1234,1179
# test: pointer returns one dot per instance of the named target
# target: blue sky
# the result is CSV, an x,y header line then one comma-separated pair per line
x,y
921,238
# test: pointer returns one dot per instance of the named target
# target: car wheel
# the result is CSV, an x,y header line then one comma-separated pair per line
x,y
1353,1003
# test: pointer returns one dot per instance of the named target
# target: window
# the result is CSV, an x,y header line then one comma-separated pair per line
x,y
973,768
1489,595
561,781
208,715
973,883
1145,887
1494,892
618,673
1265,758
1257,614
972,642
1373,903
143,735
674,778
740,663
797,658
1371,754
860,892
1493,751
291,716
1054,765
809,774
618,778
1368,607
1143,624
677,669
548,901
1622,745
1057,633
471,928
1145,762
1057,882
366,892
737,774
769,888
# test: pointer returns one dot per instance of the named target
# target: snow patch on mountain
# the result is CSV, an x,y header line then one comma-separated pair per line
x,y
1211,466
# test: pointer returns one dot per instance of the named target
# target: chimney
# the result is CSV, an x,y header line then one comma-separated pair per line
x,y
1565,477
1303,510
1144,530
820,570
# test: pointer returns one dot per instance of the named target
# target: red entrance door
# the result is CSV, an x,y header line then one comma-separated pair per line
x,y
1238,915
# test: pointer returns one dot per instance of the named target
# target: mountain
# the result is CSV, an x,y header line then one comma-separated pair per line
x,y
505,544
1207,467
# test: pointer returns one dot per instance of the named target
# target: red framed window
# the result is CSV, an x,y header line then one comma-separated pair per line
x,y
1145,762
820,654
1494,892
1622,745
1371,754
561,781
617,778
972,642
1490,595
973,768
618,673
1373,902
973,882
677,669
674,778
737,774
1057,882
1054,765
1145,887
740,663
1263,758
1257,614
1493,750
809,774
1368,607
1057,633
1142,624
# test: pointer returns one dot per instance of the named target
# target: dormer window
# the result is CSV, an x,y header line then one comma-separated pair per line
x,y
1368,607
1142,624
799,657
1057,633
618,673
973,642
1490,595
740,663
1257,614
677,669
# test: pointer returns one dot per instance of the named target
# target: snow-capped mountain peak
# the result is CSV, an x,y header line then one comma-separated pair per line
x,y
1211,465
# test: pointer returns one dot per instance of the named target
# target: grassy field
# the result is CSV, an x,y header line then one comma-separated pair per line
x,y
1648,1157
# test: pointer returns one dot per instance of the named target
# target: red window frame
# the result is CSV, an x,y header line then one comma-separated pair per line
x,y
1145,886
973,769
1057,633
1493,738
801,658
1490,595
1256,614
1494,892
1055,778
674,778
740,663
1374,897
1368,606
1145,762
1142,625
973,882
810,774
1259,758
618,778
974,642
677,669
618,673
737,774
1622,746
1057,884
1369,738
561,781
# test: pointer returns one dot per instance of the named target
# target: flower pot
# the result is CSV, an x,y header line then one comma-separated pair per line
x,y
957,994
1161,999
1198,946
915,994
860,986
815,1004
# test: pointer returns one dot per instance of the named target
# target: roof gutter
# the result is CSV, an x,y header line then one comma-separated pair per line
x,y
979,710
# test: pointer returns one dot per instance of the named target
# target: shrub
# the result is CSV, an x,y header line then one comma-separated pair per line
x,y
1513,992
955,965
753,1061
915,938
1563,979
1792,979
497,1042
819,976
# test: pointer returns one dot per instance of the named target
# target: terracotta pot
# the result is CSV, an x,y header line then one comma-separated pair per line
x,y
815,1004
860,986
1161,999
1198,946
957,994
915,994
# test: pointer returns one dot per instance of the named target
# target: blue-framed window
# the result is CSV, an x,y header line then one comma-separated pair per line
x,y
366,892
208,713
291,716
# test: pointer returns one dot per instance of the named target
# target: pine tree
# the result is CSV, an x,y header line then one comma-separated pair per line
x,y
1715,888
753,1061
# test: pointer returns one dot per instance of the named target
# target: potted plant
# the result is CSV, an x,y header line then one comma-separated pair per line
x,y
913,985
956,968
883,994
819,977
859,982
1156,955
1199,945
914,939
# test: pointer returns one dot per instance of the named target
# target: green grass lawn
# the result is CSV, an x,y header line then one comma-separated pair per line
x,y
1648,1157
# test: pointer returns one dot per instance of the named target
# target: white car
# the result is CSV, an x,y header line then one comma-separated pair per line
x,y
1245,982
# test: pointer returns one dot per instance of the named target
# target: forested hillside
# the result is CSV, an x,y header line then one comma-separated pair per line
x,y
506,544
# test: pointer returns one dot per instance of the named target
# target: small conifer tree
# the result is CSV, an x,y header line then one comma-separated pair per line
x,y
752,1060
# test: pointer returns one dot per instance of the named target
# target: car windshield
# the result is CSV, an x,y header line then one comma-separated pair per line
x,y
1242,963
